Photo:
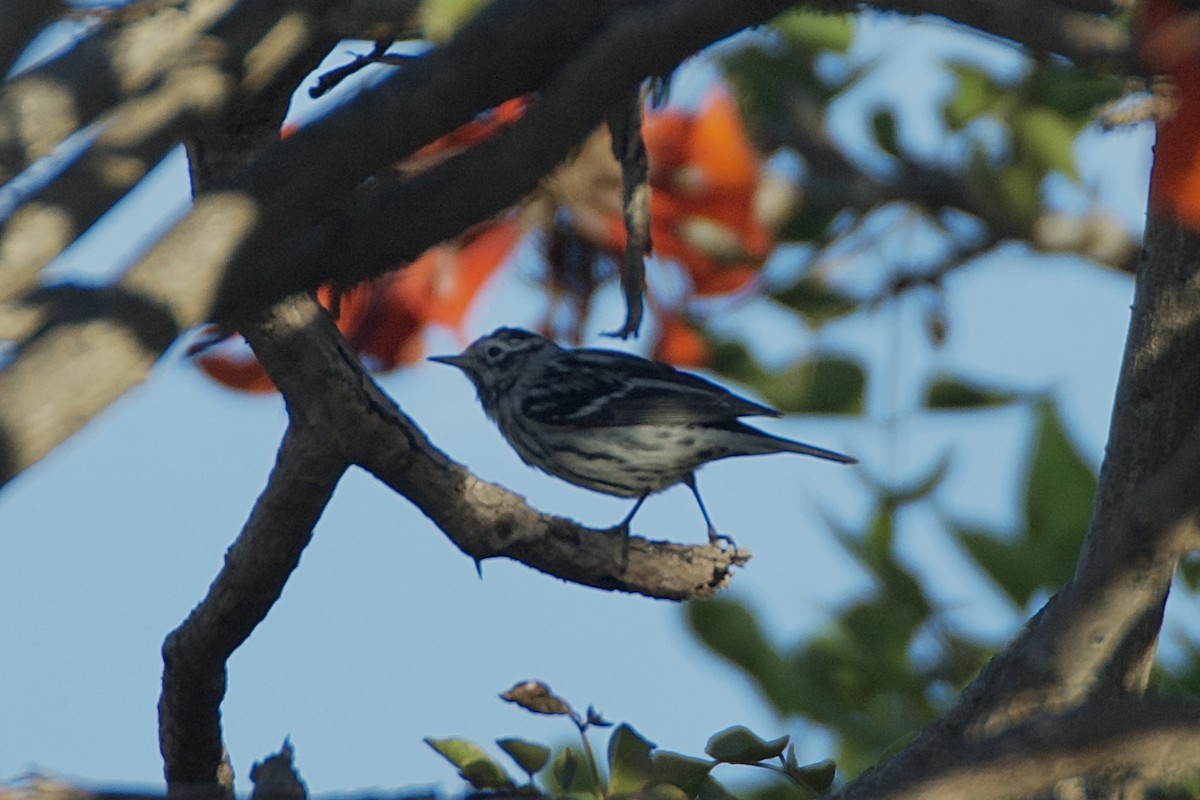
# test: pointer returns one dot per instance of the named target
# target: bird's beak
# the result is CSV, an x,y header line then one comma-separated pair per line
x,y
454,361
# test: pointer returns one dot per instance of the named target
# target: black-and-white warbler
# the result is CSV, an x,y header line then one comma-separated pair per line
x,y
610,421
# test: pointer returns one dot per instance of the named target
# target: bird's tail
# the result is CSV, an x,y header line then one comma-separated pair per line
x,y
779,444
819,452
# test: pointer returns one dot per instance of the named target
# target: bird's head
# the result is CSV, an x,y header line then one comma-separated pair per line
x,y
495,362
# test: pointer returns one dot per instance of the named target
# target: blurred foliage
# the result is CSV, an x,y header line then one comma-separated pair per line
x,y
1004,136
440,18
946,392
889,662
815,386
1040,115
861,678
1059,487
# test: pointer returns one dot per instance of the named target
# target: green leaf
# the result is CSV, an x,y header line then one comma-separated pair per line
x,y
1189,572
818,776
731,631
1048,137
663,791
1005,562
530,756
810,224
1058,494
740,745
1072,91
485,775
876,549
814,30
565,768
883,126
974,93
1018,187
679,770
948,392
822,386
712,789
628,761
815,302
836,386
474,765
1058,503
440,18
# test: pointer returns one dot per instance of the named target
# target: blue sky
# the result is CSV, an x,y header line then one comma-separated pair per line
x,y
385,634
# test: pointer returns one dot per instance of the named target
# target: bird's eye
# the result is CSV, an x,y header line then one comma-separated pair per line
x,y
494,351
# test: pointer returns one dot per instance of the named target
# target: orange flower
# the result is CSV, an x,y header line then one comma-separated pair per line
x,y
680,343
383,319
1169,41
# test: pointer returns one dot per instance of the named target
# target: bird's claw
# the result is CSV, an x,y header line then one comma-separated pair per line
x,y
622,529
720,538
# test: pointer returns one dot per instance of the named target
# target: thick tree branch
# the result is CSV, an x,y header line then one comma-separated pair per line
x,y
1159,740
39,398
191,95
42,107
122,330
40,788
373,20
256,568
20,20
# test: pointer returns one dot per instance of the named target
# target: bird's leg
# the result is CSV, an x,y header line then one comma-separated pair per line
x,y
713,536
622,528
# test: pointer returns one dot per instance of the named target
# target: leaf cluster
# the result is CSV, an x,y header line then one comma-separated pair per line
x,y
633,767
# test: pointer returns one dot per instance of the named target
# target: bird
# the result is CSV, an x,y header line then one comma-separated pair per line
x,y
613,422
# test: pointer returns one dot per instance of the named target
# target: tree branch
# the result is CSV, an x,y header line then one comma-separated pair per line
x,y
43,106
322,380
339,416
1159,740
256,567
122,330
20,20
373,20
190,95
1145,500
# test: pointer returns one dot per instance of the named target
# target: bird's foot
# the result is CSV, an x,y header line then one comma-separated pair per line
x,y
720,539
622,529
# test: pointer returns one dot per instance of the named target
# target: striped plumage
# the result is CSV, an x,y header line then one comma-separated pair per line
x,y
610,421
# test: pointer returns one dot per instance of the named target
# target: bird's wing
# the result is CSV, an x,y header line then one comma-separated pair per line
x,y
603,387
